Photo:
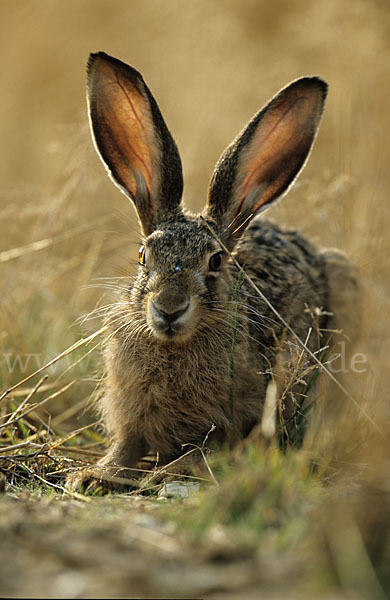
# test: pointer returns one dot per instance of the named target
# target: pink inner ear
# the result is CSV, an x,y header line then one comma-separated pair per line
x,y
134,111
125,131
278,138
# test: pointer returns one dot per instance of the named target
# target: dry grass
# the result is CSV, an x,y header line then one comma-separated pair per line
x,y
65,229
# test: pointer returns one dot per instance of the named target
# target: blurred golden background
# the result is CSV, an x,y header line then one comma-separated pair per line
x,y
65,231
211,65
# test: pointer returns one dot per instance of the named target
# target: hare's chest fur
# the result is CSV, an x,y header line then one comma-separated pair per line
x,y
175,395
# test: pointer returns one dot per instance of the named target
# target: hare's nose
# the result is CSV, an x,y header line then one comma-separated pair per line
x,y
170,314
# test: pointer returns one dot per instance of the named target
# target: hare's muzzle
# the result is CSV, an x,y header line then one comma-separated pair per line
x,y
168,321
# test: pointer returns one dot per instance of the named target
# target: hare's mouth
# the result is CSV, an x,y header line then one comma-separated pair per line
x,y
174,324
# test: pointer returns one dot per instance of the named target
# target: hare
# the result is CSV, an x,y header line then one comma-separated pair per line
x,y
191,346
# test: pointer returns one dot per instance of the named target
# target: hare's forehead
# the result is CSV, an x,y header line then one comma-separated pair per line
x,y
185,241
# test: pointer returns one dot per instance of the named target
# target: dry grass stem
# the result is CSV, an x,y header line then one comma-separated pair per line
x,y
66,352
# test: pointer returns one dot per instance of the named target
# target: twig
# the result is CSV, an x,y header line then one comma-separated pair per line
x,y
22,392
56,359
80,450
37,405
163,470
12,447
201,450
22,404
46,243
70,435
58,487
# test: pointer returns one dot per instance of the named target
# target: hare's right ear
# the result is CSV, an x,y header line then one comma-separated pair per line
x,y
264,160
133,140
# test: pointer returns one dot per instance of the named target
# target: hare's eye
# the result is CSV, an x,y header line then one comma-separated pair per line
x,y
215,261
141,255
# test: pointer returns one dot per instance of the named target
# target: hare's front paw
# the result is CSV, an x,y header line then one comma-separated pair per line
x,y
98,481
88,481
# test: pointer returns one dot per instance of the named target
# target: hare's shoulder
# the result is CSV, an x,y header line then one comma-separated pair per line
x,y
290,273
269,250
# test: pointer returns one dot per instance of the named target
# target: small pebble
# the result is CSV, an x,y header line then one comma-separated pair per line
x,y
178,489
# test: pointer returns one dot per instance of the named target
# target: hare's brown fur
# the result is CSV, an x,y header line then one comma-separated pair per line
x,y
168,395
191,347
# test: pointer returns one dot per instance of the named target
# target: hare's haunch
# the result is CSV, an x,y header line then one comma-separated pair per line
x,y
191,346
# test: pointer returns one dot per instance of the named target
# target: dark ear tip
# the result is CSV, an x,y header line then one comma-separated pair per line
x,y
321,83
93,57
96,55
316,82
115,62
100,56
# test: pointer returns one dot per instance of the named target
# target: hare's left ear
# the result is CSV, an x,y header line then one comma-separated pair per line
x,y
133,139
263,161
